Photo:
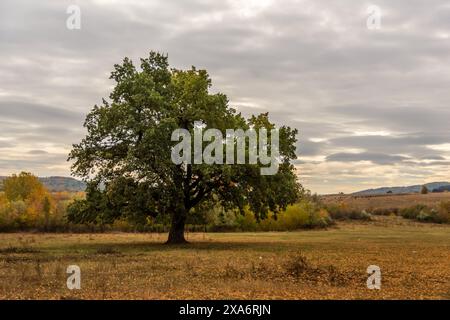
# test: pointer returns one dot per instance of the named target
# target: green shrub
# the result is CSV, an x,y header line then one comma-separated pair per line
x,y
412,212
424,190
425,216
302,215
440,214
343,212
247,222
12,215
295,217
220,220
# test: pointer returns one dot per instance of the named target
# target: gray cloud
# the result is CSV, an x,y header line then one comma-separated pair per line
x,y
354,94
432,157
36,113
37,152
414,144
378,158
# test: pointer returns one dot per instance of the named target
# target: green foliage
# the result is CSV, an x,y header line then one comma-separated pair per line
x,y
412,212
12,214
342,212
127,150
426,215
424,190
443,212
22,186
439,214
302,215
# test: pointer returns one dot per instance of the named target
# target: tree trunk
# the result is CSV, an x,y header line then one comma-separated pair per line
x,y
176,233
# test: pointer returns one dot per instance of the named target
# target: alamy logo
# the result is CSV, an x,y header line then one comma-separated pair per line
x,y
73,22
235,140
373,21
374,280
74,280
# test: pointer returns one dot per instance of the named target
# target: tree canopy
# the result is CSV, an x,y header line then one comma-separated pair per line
x,y
22,186
126,155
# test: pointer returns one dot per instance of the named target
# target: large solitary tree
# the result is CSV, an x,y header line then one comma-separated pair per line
x,y
126,154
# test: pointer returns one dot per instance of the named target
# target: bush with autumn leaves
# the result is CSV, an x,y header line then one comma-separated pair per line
x,y
26,204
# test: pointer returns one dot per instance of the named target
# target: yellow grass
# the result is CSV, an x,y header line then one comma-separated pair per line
x,y
414,260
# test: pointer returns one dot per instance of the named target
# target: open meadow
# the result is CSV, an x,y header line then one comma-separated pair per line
x,y
387,201
318,264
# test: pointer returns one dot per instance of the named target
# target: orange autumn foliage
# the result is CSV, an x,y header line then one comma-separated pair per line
x,y
26,202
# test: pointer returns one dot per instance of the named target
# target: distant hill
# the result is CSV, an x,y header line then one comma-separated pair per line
x,y
63,184
56,184
438,186
442,189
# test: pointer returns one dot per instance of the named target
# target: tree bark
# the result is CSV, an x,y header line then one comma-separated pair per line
x,y
176,233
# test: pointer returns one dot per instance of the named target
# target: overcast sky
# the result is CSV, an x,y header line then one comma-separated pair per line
x,y
372,106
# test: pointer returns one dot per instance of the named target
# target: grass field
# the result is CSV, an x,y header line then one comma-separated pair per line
x,y
414,259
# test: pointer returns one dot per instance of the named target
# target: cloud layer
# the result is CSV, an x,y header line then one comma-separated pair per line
x,y
372,106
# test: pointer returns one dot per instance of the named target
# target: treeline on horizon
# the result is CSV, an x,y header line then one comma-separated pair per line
x,y
26,205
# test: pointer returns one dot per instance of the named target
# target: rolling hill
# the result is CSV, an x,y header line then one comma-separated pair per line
x,y
441,186
55,184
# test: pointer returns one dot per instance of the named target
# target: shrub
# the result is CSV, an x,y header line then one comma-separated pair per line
x,y
384,211
295,217
26,204
297,265
305,214
219,220
443,212
425,216
246,222
412,212
122,225
13,215
422,213
342,212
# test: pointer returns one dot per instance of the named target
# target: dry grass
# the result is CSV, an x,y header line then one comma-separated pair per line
x,y
414,259
387,201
